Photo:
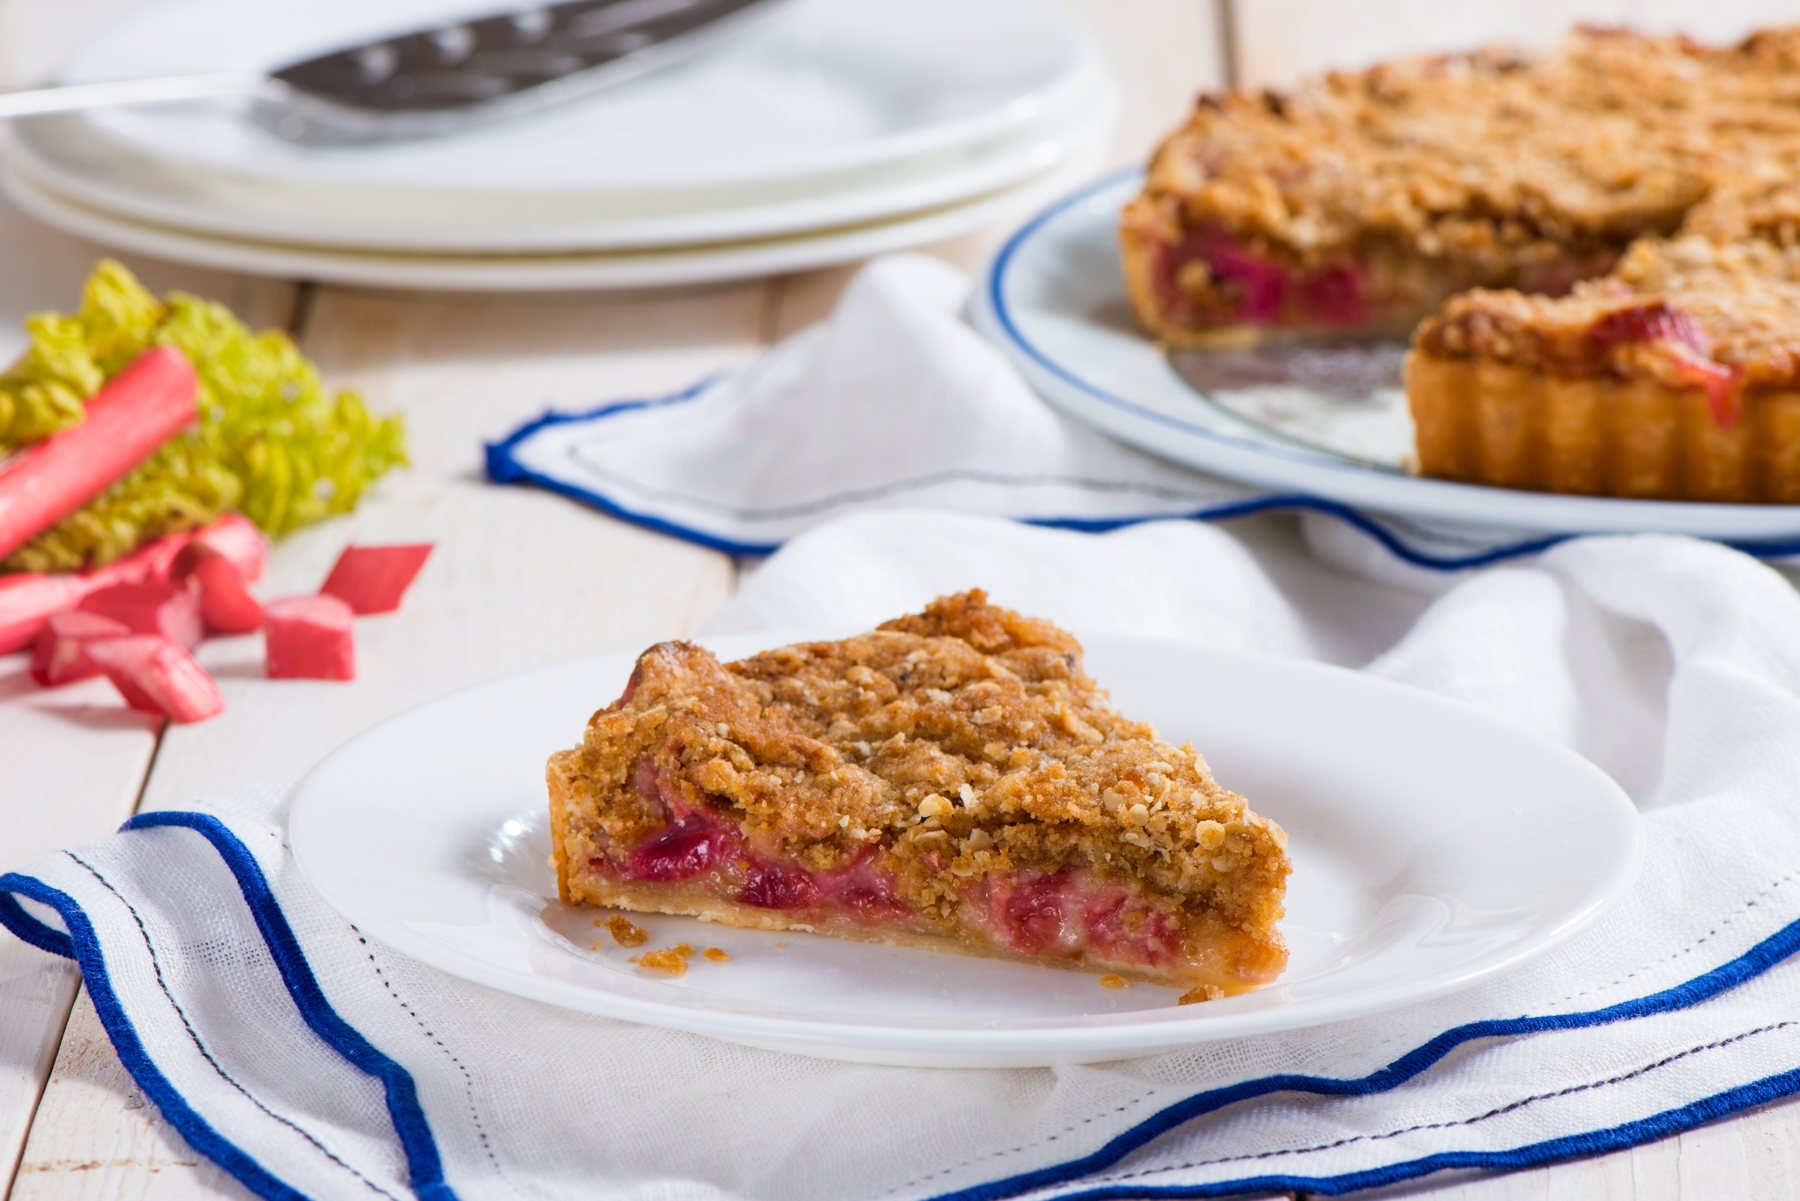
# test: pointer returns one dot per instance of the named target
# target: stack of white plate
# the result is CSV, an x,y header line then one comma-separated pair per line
x,y
838,129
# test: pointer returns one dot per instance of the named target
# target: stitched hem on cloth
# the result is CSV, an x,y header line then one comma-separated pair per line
x,y
424,1165
505,467
1574,1146
1754,962
415,1135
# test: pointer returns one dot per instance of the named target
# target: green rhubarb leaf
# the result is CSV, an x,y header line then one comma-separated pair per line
x,y
272,441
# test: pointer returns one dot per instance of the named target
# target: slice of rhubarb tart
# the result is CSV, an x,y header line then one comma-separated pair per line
x,y
952,780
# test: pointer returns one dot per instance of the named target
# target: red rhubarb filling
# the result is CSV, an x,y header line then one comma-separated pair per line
x,y
1253,289
1072,914
1068,914
1689,345
700,844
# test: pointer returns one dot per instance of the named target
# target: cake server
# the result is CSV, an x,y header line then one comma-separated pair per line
x,y
447,77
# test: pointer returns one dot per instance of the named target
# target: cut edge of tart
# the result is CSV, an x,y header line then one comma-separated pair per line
x,y
1677,377
951,781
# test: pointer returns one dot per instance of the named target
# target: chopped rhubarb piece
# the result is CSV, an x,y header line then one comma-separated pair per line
x,y
156,676
135,413
165,608
310,638
225,603
238,539
26,600
61,654
372,579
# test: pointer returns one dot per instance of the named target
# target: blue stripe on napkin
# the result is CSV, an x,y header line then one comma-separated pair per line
x,y
425,1167
82,945
505,466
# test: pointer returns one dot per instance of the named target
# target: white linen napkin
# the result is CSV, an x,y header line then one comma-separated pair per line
x,y
895,402
310,1060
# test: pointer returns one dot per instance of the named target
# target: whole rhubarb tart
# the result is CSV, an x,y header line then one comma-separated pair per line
x,y
952,780
1593,250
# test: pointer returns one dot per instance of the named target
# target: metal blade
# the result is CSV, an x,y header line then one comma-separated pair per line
x,y
438,80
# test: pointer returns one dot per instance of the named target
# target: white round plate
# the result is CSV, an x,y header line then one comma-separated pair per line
x,y
1054,302
66,155
1433,846
549,272
823,87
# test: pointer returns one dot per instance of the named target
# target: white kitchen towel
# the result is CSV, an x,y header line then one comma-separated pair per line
x,y
312,1061
895,402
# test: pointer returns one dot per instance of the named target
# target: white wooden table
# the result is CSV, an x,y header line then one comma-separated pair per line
x,y
521,578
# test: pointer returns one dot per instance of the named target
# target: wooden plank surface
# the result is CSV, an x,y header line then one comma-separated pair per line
x,y
519,578
75,760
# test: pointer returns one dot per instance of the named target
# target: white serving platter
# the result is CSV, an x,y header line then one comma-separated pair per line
x,y
550,271
67,156
1054,302
828,84
1433,847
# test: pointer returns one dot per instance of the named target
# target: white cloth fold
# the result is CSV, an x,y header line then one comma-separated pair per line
x,y
893,402
1671,663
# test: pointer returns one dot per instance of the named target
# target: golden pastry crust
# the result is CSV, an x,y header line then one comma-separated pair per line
x,y
953,766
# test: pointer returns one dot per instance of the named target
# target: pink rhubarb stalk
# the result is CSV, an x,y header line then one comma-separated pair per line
x,y
239,540
127,420
159,607
27,598
225,603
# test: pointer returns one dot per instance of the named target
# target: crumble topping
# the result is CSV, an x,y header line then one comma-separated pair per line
x,y
966,736
673,960
1685,312
1494,159
1197,996
624,932
1362,200
952,779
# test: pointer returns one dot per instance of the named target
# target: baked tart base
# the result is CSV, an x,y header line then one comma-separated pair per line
x,y
1489,422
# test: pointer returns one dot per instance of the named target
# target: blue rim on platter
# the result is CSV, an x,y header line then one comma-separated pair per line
x,y
1054,302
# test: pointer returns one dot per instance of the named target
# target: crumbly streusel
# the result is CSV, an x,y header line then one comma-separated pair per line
x,y
962,743
1693,305
1432,175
